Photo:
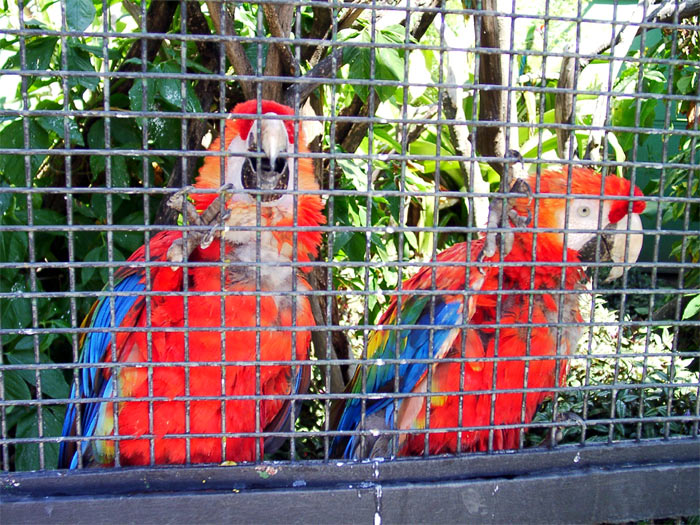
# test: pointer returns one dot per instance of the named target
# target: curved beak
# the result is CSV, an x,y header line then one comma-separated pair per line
x,y
271,171
610,246
619,243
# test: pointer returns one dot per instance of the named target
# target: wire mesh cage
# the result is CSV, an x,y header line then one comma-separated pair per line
x,y
300,235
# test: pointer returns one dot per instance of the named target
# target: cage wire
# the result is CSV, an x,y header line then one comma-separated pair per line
x,y
416,114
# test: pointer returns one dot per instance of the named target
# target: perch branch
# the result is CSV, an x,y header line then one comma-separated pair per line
x,y
491,140
459,135
600,114
324,69
206,91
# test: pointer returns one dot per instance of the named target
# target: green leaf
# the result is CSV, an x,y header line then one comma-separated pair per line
x,y
14,246
165,133
79,14
112,53
55,124
684,85
79,60
12,136
170,90
27,457
128,241
388,62
251,52
98,253
6,200
353,171
15,386
692,308
119,172
16,311
38,54
136,95
53,382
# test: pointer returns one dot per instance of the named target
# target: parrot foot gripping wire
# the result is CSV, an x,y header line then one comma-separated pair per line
x,y
567,419
498,217
213,216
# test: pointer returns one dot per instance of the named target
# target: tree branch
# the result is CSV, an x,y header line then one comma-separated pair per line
x,y
491,140
184,169
600,115
459,134
351,135
234,49
279,19
564,105
277,31
324,69
669,11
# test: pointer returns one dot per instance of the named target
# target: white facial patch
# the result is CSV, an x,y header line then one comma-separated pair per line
x,y
274,141
583,221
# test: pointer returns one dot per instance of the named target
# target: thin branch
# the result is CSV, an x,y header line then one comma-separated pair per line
x,y
564,104
276,30
206,91
320,339
234,49
281,17
159,18
669,11
350,136
600,114
459,134
324,69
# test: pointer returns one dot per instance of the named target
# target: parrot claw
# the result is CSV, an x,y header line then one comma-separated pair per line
x,y
567,419
179,203
213,214
181,249
212,217
518,220
176,253
208,239
498,219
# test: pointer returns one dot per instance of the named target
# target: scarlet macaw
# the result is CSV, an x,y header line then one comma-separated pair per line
x,y
193,356
508,331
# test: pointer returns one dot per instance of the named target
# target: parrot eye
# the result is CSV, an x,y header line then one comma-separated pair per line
x,y
584,211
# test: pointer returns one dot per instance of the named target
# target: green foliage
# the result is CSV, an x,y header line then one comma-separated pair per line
x,y
653,380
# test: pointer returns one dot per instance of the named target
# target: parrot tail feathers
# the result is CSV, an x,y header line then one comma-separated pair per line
x,y
376,443
281,422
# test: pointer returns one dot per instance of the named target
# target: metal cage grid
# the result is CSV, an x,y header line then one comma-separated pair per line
x,y
113,111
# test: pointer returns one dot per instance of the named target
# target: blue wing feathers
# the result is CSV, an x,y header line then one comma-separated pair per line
x,y
93,351
414,344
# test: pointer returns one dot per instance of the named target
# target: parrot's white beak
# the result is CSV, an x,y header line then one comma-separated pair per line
x,y
619,244
273,135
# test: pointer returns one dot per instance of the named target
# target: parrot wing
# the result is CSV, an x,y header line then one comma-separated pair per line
x,y
433,322
96,382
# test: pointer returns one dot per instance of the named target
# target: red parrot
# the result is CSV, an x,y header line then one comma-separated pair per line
x,y
189,338
521,329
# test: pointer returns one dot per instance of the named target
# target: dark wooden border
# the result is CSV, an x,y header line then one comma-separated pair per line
x,y
622,482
